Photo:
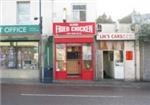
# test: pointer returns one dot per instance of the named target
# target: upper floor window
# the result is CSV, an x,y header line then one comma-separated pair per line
x,y
23,12
79,12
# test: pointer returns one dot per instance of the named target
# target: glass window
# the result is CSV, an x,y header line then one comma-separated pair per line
x,y
87,56
60,57
23,12
19,55
73,52
79,12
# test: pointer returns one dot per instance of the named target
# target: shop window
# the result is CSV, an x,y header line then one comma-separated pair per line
x,y
111,45
19,55
87,56
79,12
119,56
73,52
60,57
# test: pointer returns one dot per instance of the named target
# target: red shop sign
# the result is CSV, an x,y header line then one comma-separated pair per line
x,y
86,28
129,55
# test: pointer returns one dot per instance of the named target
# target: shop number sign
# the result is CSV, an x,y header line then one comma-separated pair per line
x,y
20,29
86,28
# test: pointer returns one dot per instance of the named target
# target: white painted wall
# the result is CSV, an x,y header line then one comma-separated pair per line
x,y
129,65
130,69
52,11
123,28
9,11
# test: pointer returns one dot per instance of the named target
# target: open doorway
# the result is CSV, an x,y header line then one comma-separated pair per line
x,y
113,67
108,69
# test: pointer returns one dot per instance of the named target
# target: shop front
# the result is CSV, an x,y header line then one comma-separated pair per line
x,y
115,56
19,51
74,59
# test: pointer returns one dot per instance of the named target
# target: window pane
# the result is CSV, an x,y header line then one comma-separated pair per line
x,y
24,19
87,64
23,12
82,16
60,52
87,52
23,8
87,56
76,16
79,12
27,57
19,55
60,57
60,65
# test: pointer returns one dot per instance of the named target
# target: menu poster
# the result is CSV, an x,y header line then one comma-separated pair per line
x,y
87,53
60,52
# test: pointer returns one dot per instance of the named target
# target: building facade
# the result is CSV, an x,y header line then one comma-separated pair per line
x,y
74,50
141,24
19,40
73,31
23,54
116,53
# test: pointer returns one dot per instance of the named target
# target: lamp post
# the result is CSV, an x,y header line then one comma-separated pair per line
x,y
42,51
40,17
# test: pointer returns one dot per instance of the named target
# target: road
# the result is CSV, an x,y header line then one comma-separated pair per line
x,y
13,94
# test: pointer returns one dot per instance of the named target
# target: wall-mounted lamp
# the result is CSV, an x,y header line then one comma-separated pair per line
x,y
99,27
64,15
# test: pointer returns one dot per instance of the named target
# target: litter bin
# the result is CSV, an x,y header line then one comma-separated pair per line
x,y
48,74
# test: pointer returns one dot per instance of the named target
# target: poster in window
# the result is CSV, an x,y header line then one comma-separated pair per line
x,y
87,53
60,52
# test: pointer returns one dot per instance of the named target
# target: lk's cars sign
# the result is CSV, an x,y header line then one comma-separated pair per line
x,y
115,36
86,28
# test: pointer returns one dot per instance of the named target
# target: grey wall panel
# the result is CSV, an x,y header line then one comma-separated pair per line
x,y
146,72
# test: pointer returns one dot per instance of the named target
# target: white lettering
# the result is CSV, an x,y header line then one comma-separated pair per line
x,y
15,29
82,29
62,29
116,36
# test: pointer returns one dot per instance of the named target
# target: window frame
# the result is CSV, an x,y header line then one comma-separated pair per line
x,y
77,12
18,15
16,48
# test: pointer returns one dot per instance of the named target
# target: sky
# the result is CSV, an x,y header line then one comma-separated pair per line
x,y
120,8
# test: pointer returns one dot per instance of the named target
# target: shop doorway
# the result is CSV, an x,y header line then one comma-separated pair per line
x,y
73,60
113,65
108,64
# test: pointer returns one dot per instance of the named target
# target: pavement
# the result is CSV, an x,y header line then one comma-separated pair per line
x,y
109,82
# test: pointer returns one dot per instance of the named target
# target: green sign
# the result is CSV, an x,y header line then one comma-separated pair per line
x,y
20,29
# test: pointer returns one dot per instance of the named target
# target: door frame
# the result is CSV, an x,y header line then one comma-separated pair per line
x,y
102,58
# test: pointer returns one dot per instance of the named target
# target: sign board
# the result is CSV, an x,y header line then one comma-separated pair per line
x,y
85,28
129,55
20,29
115,36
